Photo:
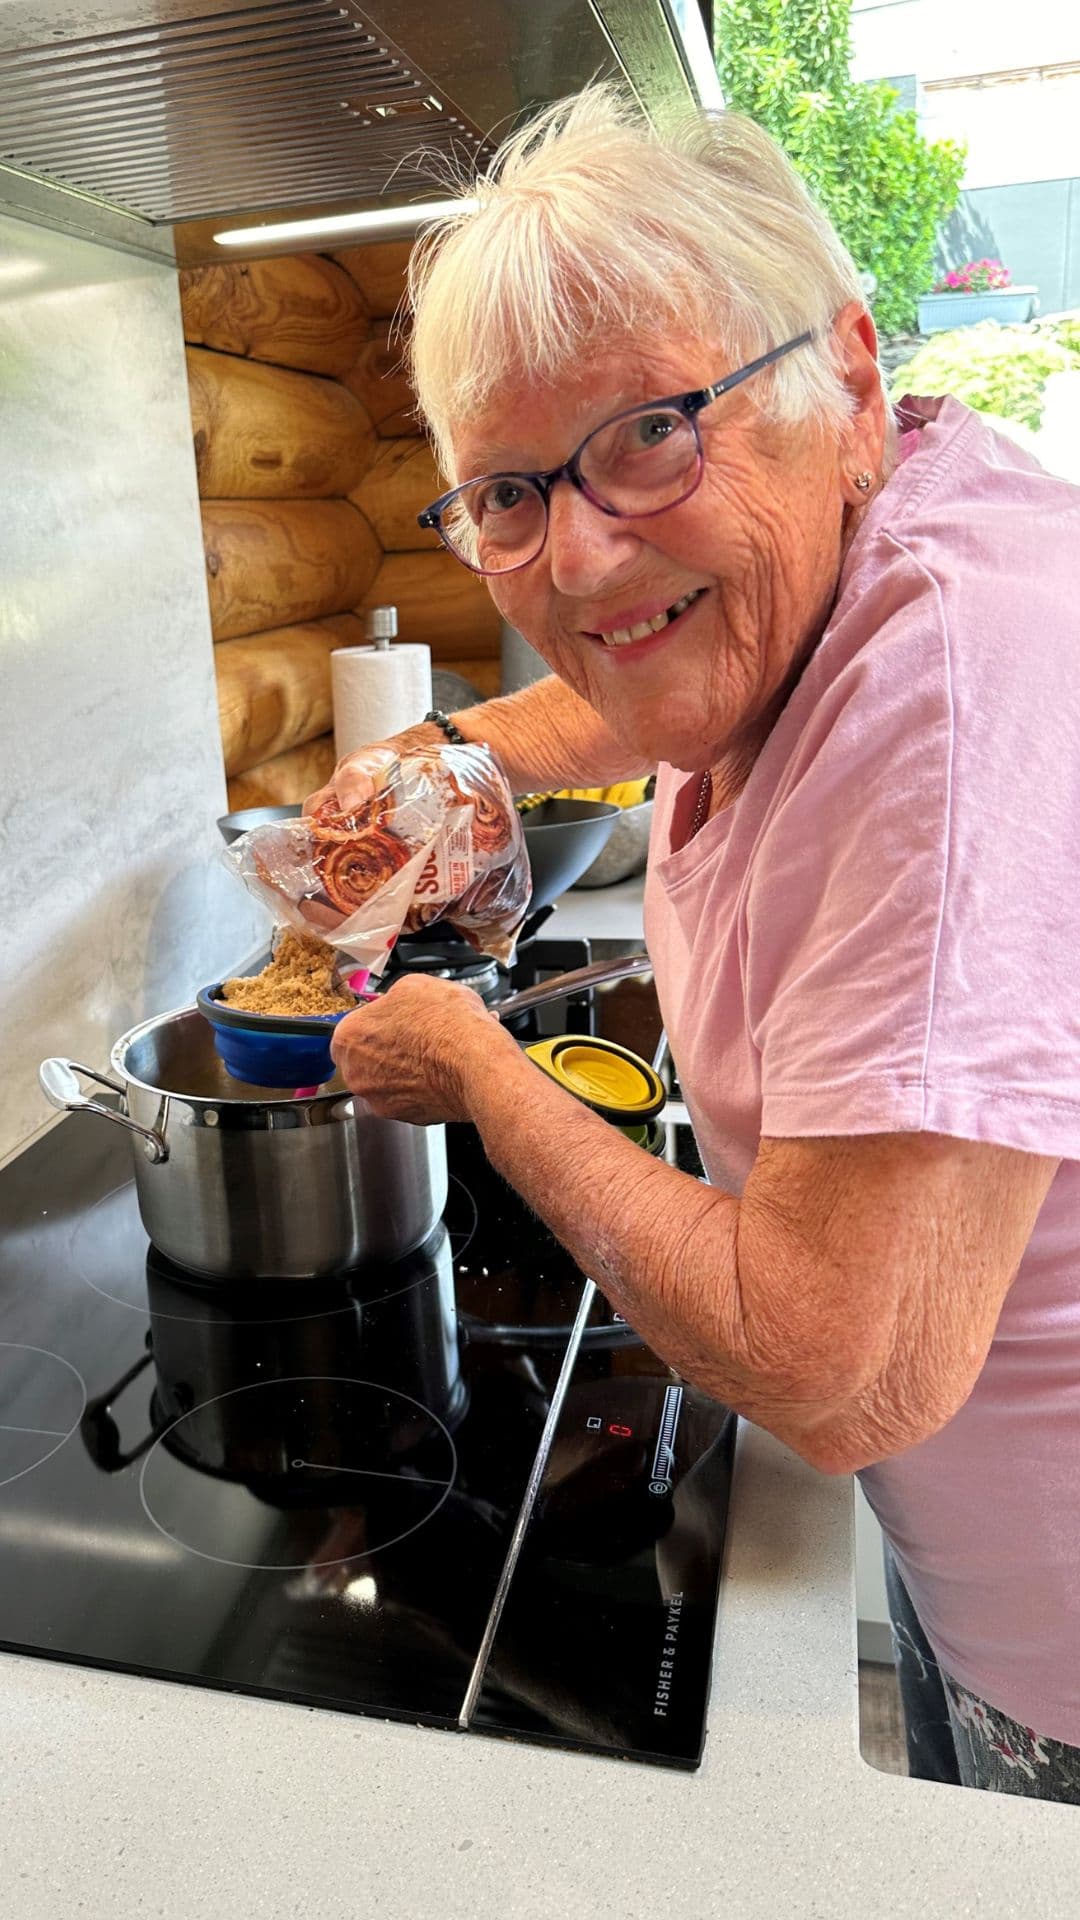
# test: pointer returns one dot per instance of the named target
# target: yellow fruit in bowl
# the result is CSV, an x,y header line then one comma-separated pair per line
x,y
629,793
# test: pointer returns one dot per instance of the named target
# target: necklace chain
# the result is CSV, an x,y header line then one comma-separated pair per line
x,y
701,808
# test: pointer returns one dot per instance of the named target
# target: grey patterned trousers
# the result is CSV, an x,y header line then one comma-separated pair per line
x,y
955,1737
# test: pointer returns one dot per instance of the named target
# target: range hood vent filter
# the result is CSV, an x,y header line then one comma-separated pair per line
x,y
289,103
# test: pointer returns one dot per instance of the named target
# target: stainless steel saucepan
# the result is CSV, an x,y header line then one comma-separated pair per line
x,y
241,1182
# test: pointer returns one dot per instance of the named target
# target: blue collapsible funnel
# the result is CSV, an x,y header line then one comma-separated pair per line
x,y
270,1049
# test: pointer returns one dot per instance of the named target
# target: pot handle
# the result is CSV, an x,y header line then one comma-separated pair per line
x,y
62,1089
598,975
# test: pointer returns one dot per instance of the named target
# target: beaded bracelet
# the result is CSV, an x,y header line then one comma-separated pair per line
x,y
443,720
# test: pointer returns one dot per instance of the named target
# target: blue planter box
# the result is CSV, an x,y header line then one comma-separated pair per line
x,y
939,312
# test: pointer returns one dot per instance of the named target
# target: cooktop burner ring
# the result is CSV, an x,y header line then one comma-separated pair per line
x,y
461,1238
28,1435
440,1485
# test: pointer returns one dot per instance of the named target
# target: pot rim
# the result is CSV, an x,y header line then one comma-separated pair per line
x,y
201,1100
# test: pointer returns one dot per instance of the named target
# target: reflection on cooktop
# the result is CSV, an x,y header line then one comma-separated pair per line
x,y
323,1470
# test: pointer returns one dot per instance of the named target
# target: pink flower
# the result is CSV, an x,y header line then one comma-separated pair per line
x,y
975,276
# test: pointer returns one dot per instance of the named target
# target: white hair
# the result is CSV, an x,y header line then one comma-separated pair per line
x,y
595,230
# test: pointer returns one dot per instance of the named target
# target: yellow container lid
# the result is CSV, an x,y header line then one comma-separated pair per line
x,y
608,1078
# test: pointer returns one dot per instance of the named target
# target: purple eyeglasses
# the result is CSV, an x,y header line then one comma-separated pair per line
x,y
638,463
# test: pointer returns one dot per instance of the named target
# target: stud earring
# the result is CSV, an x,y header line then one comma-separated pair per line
x,y
864,481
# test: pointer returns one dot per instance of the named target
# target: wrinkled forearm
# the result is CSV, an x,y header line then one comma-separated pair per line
x,y
662,1246
547,737
846,1302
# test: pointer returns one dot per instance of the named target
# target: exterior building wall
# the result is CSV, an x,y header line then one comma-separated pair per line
x,y
1005,80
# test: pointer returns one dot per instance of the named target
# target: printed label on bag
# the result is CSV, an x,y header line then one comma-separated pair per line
x,y
448,870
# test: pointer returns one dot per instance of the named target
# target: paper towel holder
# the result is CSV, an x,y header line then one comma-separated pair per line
x,y
380,626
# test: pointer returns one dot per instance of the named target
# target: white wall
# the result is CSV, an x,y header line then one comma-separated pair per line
x,y
960,36
1019,130
112,904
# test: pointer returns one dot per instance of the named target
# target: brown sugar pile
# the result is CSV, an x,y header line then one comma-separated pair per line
x,y
299,979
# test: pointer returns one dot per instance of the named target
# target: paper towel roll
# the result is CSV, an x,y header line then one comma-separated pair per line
x,y
378,691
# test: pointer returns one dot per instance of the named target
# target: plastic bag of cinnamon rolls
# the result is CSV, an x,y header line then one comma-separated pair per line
x,y
438,838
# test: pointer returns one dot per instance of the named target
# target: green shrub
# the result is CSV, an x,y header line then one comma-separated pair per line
x,y
786,63
1065,329
999,370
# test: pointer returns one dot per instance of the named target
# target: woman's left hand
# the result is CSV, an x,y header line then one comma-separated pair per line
x,y
408,1053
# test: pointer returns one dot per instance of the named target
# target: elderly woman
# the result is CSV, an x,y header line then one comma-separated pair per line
x,y
848,642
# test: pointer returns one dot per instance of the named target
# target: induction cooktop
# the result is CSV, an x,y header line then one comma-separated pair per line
x,y
455,1490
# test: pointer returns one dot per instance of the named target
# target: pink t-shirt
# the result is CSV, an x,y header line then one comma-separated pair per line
x,y
882,934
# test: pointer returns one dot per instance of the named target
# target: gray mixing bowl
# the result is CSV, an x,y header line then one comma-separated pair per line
x,y
626,849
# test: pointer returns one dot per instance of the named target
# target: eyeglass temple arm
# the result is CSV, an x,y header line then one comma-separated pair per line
x,y
767,360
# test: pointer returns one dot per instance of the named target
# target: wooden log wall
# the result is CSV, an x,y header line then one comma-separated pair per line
x,y
312,470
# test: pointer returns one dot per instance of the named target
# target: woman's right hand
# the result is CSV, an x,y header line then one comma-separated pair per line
x,y
352,782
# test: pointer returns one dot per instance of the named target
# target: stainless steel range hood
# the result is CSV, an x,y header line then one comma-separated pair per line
x,y
154,124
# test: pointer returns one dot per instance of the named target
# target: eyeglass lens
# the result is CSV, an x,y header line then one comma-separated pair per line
x,y
637,465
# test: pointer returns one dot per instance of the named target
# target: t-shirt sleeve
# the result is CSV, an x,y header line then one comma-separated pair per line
x,y
912,934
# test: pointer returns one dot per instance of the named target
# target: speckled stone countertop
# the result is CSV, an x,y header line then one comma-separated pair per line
x,y
124,1796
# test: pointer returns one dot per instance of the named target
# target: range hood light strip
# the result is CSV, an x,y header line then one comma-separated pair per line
x,y
374,220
